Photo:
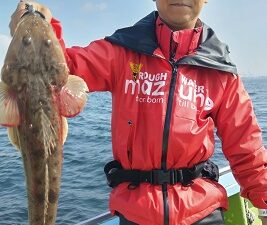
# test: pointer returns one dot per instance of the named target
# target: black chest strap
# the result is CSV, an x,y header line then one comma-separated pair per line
x,y
116,174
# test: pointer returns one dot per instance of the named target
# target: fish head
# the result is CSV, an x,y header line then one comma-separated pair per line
x,y
34,54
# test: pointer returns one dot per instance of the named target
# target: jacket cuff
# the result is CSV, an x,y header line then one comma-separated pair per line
x,y
259,200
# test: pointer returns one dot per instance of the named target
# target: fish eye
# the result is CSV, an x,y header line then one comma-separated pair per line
x,y
27,40
48,42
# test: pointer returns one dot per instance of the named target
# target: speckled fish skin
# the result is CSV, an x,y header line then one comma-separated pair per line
x,y
35,69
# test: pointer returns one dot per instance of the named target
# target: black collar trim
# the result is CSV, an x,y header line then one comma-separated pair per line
x,y
141,38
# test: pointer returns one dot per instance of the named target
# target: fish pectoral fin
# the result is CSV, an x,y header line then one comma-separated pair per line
x,y
73,96
9,111
13,137
65,128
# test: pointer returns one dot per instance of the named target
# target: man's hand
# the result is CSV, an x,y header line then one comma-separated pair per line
x,y
21,9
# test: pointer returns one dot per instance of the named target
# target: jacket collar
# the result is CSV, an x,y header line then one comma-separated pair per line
x,y
176,44
141,38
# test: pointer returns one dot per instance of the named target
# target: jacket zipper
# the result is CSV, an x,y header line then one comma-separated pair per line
x,y
130,142
166,133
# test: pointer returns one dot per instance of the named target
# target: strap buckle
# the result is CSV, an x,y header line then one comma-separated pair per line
x,y
173,176
159,177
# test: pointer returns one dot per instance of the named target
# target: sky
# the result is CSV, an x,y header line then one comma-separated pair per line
x,y
239,23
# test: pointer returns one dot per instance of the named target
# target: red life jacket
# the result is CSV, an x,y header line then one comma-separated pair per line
x,y
164,113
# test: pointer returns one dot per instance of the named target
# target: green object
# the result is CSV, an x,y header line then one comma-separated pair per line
x,y
241,212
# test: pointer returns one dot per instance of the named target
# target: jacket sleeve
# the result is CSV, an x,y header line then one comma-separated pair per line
x,y
242,142
94,63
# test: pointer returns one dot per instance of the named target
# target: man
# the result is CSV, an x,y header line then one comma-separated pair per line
x,y
172,82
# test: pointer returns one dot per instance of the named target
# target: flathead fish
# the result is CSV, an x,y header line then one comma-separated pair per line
x,y
36,94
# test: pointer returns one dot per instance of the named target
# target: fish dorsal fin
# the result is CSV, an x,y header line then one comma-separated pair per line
x,y
65,129
13,137
73,96
9,112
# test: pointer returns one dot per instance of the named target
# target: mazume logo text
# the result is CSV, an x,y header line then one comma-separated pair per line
x,y
193,96
149,86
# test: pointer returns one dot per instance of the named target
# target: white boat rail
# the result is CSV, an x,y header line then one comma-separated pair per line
x,y
97,220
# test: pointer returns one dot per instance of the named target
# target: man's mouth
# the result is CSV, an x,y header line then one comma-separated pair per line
x,y
180,5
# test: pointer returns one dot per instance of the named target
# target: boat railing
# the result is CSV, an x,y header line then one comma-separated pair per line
x,y
97,220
